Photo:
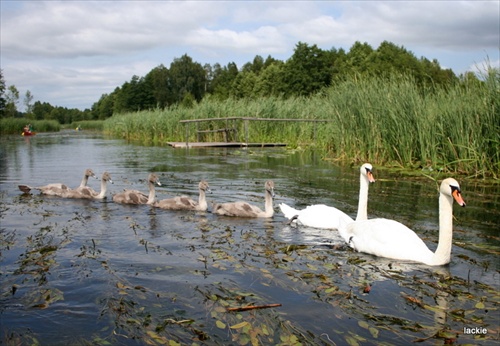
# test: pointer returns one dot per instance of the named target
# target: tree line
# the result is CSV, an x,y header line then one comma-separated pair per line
x,y
308,71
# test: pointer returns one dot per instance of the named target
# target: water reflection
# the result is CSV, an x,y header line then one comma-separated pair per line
x,y
87,271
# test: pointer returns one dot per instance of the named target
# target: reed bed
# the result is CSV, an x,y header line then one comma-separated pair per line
x,y
16,125
90,125
387,122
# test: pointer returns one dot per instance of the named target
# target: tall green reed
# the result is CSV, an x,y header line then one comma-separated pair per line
x,y
16,125
92,125
384,121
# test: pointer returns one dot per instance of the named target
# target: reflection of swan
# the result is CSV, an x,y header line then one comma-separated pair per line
x,y
186,203
388,238
244,209
323,216
137,197
88,193
57,189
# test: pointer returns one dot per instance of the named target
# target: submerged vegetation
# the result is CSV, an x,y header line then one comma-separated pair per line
x,y
426,303
387,121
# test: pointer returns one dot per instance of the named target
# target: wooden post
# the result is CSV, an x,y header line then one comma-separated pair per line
x,y
236,137
187,135
246,131
225,132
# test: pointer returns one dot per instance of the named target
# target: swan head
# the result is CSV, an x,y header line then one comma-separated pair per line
x,y
90,173
153,179
367,171
106,177
203,185
450,187
270,187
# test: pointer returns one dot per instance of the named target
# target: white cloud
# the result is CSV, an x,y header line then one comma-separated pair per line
x,y
70,52
71,29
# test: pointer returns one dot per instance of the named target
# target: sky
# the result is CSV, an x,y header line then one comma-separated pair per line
x,y
70,53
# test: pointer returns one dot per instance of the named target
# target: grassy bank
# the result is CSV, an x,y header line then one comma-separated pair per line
x,y
386,122
9,126
89,125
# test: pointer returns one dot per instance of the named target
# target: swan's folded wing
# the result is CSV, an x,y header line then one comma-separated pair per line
x,y
387,238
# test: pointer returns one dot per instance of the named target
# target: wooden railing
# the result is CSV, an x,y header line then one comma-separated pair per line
x,y
233,128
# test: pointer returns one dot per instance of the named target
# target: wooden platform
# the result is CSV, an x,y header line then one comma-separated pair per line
x,y
223,145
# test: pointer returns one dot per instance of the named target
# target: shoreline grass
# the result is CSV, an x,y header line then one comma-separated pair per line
x,y
87,125
9,126
391,122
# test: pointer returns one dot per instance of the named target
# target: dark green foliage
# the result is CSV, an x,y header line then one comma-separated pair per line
x,y
390,121
3,102
309,71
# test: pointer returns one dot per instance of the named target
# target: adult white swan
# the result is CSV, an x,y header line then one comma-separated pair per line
x,y
323,216
244,209
138,197
391,239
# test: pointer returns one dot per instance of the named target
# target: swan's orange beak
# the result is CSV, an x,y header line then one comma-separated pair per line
x,y
458,197
371,179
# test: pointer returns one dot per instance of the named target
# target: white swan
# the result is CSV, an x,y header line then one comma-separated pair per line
x,y
325,217
137,197
57,189
391,239
86,192
244,209
186,203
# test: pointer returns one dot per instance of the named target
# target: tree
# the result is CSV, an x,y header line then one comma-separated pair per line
x,y
256,66
28,99
42,111
12,99
307,71
244,84
133,96
159,81
270,80
2,95
186,77
103,108
357,60
223,78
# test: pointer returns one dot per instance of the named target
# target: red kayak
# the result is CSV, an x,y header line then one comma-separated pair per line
x,y
28,133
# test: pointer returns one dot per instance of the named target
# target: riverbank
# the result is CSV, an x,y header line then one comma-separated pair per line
x,y
388,122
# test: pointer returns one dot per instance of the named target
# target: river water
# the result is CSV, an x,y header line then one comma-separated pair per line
x,y
79,272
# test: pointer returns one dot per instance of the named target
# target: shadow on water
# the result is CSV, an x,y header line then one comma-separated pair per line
x,y
92,272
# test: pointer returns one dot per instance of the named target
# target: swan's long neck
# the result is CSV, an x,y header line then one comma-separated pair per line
x,y
84,180
443,251
104,189
152,193
269,204
363,199
202,201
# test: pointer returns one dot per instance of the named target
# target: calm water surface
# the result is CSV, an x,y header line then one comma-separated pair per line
x,y
94,272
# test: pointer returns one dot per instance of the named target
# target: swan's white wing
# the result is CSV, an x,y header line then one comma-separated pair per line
x,y
288,211
387,238
323,216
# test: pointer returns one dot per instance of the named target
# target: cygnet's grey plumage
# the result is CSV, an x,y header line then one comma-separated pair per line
x,y
57,189
85,192
186,203
245,209
138,197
